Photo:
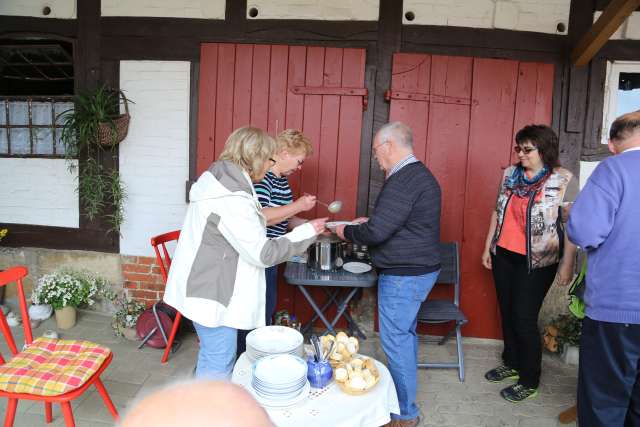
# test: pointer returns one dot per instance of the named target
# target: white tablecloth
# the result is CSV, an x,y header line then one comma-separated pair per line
x,y
330,406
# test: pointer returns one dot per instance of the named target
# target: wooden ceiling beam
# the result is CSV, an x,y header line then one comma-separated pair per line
x,y
607,24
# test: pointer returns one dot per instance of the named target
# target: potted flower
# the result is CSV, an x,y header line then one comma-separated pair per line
x,y
124,320
92,126
562,336
65,290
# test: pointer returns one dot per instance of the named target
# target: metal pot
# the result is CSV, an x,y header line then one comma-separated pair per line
x,y
326,253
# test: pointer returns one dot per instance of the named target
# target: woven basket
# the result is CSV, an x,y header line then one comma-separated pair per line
x,y
112,133
352,391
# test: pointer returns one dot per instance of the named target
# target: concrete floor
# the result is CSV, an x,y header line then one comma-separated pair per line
x,y
443,400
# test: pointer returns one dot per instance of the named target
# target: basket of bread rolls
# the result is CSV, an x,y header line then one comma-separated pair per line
x,y
357,376
340,348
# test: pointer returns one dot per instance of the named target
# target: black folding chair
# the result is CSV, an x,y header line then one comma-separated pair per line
x,y
435,311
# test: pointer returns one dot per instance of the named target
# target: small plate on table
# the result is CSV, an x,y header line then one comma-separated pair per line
x,y
332,225
356,267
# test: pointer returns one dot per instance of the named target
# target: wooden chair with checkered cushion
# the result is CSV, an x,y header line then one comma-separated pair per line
x,y
48,370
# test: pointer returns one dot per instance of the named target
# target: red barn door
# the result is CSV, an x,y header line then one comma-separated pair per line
x,y
464,113
315,89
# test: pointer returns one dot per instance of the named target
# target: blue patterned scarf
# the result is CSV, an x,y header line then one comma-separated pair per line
x,y
522,186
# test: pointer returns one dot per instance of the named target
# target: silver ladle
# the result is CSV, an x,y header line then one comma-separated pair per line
x,y
333,207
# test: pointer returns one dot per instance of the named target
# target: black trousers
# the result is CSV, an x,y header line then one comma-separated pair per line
x,y
520,295
609,375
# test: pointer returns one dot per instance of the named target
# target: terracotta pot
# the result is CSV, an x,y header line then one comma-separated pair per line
x,y
130,333
66,317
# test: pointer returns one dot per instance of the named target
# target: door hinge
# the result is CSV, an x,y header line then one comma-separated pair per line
x,y
339,91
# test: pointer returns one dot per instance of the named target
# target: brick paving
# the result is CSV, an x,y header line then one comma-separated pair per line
x,y
443,400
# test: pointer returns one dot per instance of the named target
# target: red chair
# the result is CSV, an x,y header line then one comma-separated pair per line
x,y
48,370
164,261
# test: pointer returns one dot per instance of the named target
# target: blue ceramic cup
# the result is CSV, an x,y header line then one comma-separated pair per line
x,y
319,374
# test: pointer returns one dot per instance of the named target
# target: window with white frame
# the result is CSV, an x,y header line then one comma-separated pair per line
x,y
36,86
622,92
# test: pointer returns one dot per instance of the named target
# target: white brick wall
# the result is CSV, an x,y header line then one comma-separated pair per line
x,y
521,15
334,10
63,9
586,169
154,158
38,192
629,30
203,9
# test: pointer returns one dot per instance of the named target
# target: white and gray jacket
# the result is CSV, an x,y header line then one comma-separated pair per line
x,y
217,272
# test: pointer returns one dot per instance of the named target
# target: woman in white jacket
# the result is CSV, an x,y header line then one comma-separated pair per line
x,y
217,275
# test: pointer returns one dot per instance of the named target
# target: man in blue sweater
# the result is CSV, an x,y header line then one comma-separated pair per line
x,y
605,221
403,235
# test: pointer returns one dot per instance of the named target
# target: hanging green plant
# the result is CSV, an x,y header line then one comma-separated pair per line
x,y
93,126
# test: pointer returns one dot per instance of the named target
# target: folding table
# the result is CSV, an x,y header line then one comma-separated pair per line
x,y
340,287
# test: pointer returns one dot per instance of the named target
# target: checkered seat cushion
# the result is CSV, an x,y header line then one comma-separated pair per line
x,y
50,367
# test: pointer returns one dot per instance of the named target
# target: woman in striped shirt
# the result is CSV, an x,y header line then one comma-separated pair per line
x,y
278,206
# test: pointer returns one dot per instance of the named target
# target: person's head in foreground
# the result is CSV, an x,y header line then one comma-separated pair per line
x,y
198,404
293,148
392,143
625,132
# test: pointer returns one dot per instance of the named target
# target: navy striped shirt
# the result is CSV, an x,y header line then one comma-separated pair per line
x,y
274,191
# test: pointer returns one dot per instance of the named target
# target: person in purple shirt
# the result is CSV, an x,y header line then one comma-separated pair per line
x,y
605,221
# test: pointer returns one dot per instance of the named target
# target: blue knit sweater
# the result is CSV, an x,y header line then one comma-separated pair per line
x,y
605,221
403,234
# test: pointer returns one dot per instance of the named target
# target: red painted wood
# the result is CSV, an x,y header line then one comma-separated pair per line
x,y
311,124
295,103
253,84
260,86
242,86
328,147
207,106
346,189
224,95
467,145
277,89
494,89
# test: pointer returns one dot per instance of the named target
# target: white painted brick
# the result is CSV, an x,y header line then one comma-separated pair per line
x,y
520,15
338,10
633,26
506,15
61,9
38,192
203,9
154,159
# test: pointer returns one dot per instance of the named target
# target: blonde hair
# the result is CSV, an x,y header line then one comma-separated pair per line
x,y
295,142
249,148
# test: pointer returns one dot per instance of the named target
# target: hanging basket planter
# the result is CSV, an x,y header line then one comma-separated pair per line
x,y
114,132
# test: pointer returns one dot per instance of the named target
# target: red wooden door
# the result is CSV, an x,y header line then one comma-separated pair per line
x,y
315,89
464,113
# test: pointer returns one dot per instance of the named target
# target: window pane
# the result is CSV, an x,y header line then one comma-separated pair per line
x,y
3,113
41,113
18,113
59,145
60,108
42,141
628,93
20,143
4,148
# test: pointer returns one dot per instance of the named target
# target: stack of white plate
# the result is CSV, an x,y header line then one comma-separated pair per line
x,y
271,340
280,380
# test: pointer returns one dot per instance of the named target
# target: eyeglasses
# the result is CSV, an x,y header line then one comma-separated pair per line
x,y
375,147
300,163
525,150
273,162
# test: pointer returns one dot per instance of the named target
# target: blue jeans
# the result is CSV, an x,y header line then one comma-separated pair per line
x,y
217,353
399,300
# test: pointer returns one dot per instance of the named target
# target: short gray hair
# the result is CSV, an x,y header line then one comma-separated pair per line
x,y
397,131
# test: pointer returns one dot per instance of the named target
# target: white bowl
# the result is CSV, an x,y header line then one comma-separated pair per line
x,y
274,339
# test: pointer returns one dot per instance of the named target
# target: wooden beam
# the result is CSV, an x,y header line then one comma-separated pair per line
x,y
607,24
